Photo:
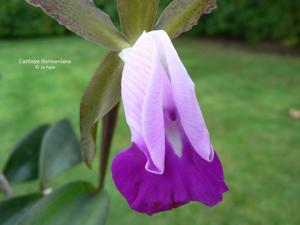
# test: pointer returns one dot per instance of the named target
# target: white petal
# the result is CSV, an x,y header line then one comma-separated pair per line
x,y
185,98
143,100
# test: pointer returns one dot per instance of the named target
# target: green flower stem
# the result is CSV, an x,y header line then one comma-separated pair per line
x,y
108,128
4,186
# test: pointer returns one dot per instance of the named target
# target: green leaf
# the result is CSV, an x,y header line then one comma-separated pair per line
x,y
181,15
12,209
136,16
60,150
100,96
85,19
75,203
22,164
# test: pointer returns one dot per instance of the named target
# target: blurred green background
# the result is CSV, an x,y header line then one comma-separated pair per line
x,y
249,20
245,97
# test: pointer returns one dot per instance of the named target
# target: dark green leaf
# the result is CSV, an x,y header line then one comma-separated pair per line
x,y
101,95
181,15
60,150
85,19
22,164
75,204
12,209
136,16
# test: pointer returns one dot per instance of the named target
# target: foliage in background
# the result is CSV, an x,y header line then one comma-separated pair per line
x,y
255,20
250,20
18,19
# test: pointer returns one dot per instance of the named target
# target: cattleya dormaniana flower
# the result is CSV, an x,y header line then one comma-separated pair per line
x,y
171,160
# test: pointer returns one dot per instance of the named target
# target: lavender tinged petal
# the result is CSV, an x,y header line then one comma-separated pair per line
x,y
135,79
142,98
153,120
185,98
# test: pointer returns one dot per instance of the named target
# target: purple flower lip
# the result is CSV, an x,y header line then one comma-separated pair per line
x,y
171,160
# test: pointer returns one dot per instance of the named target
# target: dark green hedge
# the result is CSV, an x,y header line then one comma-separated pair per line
x,y
19,19
254,20
250,20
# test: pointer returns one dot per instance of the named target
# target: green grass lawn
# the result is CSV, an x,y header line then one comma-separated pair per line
x,y
245,98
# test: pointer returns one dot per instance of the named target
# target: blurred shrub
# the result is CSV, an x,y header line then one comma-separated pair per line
x,y
254,20
250,20
19,19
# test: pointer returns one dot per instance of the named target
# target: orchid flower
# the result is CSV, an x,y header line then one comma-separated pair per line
x,y
171,160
